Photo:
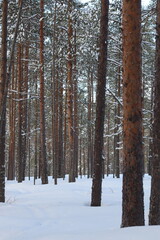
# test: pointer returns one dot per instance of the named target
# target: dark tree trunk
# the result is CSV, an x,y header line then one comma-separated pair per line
x,y
3,79
75,105
132,205
89,130
70,94
44,173
100,108
20,144
61,143
154,214
12,120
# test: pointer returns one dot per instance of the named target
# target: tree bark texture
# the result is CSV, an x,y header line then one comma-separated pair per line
x,y
100,107
154,214
132,205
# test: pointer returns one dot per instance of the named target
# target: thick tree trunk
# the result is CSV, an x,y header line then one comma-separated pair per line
x,y
100,108
154,214
133,205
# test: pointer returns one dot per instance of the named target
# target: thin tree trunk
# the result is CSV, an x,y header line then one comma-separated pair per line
x,y
44,173
89,151
108,142
61,143
75,105
3,79
12,119
19,146
70,94
154,214
36,137
100,108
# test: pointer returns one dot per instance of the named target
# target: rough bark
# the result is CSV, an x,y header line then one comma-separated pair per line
x,y
132,205
154,214
100,107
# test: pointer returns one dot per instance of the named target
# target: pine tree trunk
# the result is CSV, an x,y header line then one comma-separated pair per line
x,y
36,136
132,205
154,214
20,145
89,130
70,94
75,105
61,142
44,174
100,108
12,119
3,79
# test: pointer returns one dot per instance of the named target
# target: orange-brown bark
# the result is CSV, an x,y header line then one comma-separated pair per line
x,y
133,206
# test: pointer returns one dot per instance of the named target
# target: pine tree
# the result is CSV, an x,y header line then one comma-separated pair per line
x,y
44,173
154,214
3,79
132,205
100,107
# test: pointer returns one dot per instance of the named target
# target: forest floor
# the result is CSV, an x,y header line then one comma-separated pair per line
x,y
63,212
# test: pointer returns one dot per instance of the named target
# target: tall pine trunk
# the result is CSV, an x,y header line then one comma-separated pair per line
x,y
70,94
100,107
3,79
132,205
44,174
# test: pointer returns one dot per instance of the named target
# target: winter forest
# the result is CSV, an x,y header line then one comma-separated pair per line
x,y
79,118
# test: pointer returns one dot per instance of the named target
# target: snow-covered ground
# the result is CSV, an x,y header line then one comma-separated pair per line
x,y
63,212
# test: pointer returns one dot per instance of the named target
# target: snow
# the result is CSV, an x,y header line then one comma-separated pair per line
x,y
63,212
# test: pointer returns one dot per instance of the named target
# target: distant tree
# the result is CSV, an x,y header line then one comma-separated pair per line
x,y
12,121
132,204
154,214
100,107
20,144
